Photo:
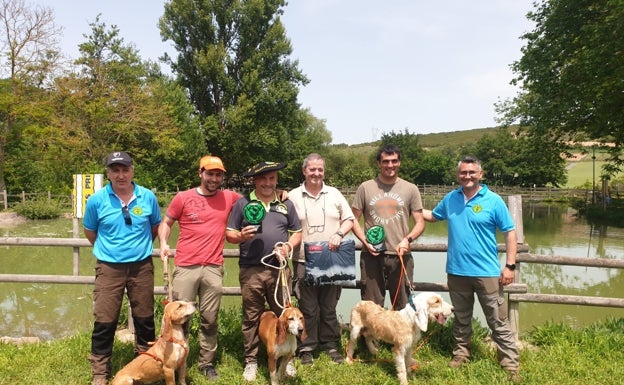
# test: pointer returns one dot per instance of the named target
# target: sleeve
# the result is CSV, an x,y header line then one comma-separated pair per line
x,y
175,207
416,201
293,219
236,216
504,220
439,212
155,218
90,219
343,206
360,196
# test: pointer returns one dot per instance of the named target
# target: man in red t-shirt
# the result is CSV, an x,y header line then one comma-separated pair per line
x,y
202,214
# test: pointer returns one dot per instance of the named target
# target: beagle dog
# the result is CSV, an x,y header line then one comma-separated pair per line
x,y
166,358
279,334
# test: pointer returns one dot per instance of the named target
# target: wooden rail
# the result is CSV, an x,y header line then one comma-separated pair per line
x,y
517,292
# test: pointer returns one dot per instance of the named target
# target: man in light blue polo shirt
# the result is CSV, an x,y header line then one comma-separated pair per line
x,y
121,220
473,213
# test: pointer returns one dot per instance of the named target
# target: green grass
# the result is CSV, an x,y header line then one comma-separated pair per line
x,y
558,355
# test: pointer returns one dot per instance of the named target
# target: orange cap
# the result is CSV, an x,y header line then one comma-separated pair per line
x,y
211,163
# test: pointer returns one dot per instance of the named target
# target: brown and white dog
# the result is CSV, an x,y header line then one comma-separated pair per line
x,y
400,328
166,358
279,334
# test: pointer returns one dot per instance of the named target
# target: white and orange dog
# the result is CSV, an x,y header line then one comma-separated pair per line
x,y
166,358
279,334
400,328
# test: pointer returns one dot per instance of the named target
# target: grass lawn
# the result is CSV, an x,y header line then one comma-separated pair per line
x,y
556,355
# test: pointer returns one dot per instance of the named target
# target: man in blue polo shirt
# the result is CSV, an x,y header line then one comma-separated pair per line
x,y
473,213
121,220
279,224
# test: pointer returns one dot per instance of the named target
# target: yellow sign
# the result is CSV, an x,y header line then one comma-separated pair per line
x,y
85,185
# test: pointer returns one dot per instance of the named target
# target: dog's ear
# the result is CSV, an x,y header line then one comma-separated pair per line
x,y
434,300
304,335
165,327
281,329
422,320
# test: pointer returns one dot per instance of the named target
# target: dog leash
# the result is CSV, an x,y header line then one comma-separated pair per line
x,y
283,263
399,285
168,288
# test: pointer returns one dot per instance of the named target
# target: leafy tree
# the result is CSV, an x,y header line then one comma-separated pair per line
x,y
571,75
411,153
28,37
437,168
348,166
233,58
515,159
118,102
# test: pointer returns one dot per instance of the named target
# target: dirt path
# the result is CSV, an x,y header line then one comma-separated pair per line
x,y
8,219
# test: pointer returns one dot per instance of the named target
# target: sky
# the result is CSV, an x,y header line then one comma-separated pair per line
x,y
374,67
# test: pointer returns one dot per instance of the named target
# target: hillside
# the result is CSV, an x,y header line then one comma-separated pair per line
x,y
582,169
437,139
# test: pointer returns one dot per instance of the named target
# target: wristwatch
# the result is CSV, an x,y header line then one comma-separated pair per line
x,y
511,267
340,234
410,239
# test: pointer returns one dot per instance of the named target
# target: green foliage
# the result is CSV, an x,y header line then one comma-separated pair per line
x,y
39,209
234,62
570,74
411,153
553,354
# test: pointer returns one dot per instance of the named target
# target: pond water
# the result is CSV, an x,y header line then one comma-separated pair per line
x,y
50,311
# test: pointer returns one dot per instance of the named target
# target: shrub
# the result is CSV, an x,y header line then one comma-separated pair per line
x,y
38,209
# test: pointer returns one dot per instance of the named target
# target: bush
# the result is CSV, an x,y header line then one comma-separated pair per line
x,y
38,209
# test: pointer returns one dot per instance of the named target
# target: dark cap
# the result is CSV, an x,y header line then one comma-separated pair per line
x,y
263,167
118,157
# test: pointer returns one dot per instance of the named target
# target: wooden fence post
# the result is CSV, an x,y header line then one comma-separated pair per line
x,y
513,308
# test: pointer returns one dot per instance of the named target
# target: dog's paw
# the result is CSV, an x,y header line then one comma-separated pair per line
x,y
291,371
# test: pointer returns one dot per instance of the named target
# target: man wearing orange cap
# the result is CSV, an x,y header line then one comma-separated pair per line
x,y
202,214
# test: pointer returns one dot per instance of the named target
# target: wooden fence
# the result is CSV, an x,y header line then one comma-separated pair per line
x,y
517,292
435,192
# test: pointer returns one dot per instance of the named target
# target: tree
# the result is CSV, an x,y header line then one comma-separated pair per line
x,y
571,75
436,167
118,102
516,159
411,153
233,58
28,37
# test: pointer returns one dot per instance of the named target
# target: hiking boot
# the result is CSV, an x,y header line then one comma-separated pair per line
x,y
210,372
99,380
306,358
513,375
291,371
457,361
336,357
250,372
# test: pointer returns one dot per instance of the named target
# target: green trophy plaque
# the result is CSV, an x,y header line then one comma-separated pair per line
x,y
376,236
253,214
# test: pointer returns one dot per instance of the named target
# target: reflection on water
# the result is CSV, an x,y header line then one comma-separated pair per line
x,y
54,311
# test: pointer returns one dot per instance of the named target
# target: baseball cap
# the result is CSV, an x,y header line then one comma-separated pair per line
x,y
118,157
263,167
211,163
